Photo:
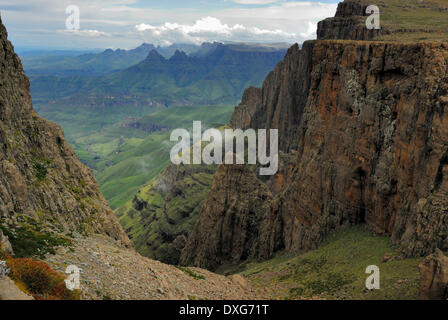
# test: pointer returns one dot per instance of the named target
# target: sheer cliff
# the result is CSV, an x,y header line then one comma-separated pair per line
x,y
40,175
369,124
280,102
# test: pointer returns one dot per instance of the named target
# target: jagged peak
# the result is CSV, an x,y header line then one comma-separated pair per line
x,y
179,55
154,55
144,47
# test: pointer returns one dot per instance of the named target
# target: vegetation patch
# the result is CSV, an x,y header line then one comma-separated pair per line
x,y
337,270
38,279
30,241
191,273
41,168
165,211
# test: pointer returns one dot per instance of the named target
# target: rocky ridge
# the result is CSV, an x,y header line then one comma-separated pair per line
x,y
349,23
111,272
434,277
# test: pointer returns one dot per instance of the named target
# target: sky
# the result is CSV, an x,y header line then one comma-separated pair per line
x,y
128,23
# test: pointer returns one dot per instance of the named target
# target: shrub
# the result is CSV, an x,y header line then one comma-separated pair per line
x,y
191,273
28,242
42,282
40,169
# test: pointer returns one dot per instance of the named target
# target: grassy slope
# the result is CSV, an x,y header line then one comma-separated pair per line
x,y
336,270
79,120
426,19
172,208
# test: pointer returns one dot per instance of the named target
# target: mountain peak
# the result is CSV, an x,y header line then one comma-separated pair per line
x,y
154,56
179,55
144,47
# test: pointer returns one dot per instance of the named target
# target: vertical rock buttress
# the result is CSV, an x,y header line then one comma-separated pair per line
x,y
40,175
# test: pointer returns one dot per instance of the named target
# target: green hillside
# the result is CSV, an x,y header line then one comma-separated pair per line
x,y
163,212
127,155
336,270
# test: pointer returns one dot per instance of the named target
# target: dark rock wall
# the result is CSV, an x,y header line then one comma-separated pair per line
x,y
40,175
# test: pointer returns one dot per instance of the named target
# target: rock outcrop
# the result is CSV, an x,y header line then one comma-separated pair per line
x,y
348,23
40,175
405,20
369,124
5,244
229,224
10,291
434,277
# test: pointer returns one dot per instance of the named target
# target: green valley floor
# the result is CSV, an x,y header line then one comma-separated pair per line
x,y
336,270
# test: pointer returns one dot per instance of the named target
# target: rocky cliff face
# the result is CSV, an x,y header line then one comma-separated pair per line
x,y
373,146
40,175
280,102
369,123
229,223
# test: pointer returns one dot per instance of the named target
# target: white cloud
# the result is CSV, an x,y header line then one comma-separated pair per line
x,y
87,33
209,29
310,32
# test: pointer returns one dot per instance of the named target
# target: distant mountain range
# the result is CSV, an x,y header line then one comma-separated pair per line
x,y
94,102
208,74
65,62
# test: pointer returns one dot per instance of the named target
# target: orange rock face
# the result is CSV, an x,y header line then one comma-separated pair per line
x,y
366,124
374,145
372,141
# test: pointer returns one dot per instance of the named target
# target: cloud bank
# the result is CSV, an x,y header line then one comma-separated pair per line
x,y
127,23
209,29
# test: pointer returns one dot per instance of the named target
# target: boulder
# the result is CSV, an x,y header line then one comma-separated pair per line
x,y
434,277
4,270
5,244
